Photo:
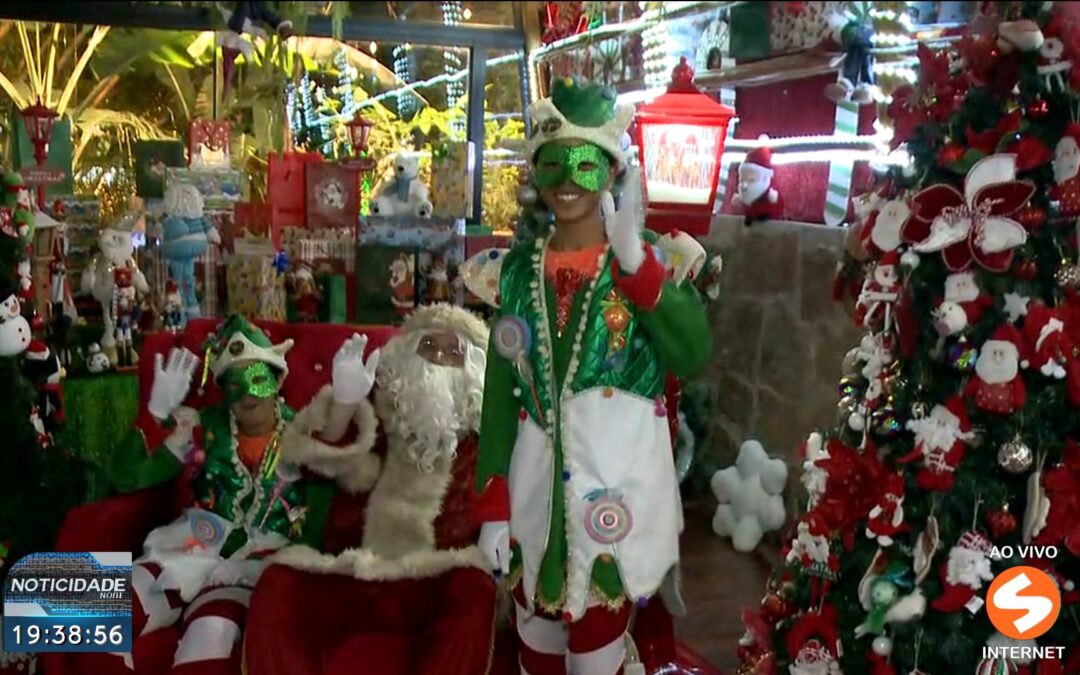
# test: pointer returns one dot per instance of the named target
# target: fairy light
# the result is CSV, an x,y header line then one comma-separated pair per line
x,y
438,79
453,14
373,47
405,71
659,54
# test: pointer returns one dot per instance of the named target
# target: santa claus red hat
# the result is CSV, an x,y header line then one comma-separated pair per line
x,y
956,406
890,258
171,287
37,351
1040,323
761,157
1072,130
975,542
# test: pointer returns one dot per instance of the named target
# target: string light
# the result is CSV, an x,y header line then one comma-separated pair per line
x,y
659,54
453,14
467,13
438,79
405,71
373,47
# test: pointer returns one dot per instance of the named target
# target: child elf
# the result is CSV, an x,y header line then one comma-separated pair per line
x,y
578,490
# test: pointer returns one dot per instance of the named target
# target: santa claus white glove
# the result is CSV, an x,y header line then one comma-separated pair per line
x,y
236,573
772,195
353,378
623,227
495,545
172,380
213,236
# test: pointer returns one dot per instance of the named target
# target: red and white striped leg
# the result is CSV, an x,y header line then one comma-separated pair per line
x,y
151,609
213,630
598,641
542,641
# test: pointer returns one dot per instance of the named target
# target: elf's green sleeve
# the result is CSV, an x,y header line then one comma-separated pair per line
x,y
318,496
680,329
142,459
498,432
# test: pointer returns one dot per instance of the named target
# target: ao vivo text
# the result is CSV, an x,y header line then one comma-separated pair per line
x,y
1026,551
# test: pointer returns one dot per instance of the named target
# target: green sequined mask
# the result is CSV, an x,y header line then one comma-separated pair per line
x,y
586,166
256,380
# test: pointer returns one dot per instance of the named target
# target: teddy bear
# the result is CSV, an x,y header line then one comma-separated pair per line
x,y
405,194
117,252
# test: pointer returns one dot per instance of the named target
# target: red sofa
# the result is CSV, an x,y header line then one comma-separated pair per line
x,y
311,624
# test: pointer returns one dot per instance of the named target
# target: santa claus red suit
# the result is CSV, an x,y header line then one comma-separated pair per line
x,y
757,191
1047,343
965,572
879,293
940,441
997,386
963,306
887,517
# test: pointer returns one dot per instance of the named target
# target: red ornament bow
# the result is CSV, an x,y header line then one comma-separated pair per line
x,y
973,225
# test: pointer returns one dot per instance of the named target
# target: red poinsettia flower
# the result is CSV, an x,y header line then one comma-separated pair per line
x,y
973,225
1030,152
906,114
987,141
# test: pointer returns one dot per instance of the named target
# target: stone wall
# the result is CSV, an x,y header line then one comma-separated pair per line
x,y
779,339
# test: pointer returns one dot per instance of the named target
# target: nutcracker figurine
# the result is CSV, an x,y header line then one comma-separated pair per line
x,y
124,307
172,314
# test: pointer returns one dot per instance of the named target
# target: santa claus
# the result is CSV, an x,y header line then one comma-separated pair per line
x,y
967,569
1067,172
963,306
997,386
887,517
1046,340
940,440
879,293
757,193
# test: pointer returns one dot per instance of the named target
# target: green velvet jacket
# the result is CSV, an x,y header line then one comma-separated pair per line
x,y
636,356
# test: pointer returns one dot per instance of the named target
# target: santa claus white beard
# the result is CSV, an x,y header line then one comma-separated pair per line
x,y
424,406
997,364
938,432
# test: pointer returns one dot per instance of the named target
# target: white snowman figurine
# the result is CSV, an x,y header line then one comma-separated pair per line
x,y
405,194
14,328
117,251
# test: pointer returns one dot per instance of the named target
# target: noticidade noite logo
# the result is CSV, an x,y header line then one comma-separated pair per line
x,y
1023,602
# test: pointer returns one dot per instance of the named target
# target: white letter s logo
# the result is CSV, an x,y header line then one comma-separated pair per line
x,y
1008,597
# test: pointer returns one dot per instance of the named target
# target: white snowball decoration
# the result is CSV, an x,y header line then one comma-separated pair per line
x,y
882,645
750,495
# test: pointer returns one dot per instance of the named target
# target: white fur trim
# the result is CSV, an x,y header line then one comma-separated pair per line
x,y
208,638
353,466
608,136
444,316
365,565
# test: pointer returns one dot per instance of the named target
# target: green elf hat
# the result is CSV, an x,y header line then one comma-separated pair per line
x,y
238,340
585,112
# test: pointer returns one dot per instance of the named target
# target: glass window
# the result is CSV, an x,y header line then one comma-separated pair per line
x,y
504,136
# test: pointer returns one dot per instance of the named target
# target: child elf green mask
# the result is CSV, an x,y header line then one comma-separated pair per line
x,y
586,166
256,380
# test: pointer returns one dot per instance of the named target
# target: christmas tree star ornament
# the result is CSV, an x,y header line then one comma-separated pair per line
x,y
1016,306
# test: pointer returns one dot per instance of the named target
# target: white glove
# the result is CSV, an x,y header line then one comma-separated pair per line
x,y
623,227
171,382
353,378
495,544
213,236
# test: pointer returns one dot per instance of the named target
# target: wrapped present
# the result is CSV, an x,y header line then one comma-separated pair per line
x,y
452,176
334,294
332,249
333,195
209,281
220,188
82,219
151,160
209,144
399,267
287,187
256,286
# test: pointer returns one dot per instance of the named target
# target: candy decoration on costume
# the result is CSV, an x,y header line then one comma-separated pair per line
x,y
607,518
512,338
207,528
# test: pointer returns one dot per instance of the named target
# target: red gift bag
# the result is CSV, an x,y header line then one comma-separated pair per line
x,y
287,187
209,143
256,219
333,196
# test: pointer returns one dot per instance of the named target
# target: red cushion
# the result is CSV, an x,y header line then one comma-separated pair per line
x,y
371,654
310,360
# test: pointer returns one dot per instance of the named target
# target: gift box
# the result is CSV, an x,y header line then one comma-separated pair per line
x,y
256,287
334,294
332,250
254,219
152,158
452,176
220,188
333,195
287,187
82,218
209,144
399,267
60,153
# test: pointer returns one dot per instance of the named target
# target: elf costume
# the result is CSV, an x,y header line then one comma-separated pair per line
x,y
575,448
251,496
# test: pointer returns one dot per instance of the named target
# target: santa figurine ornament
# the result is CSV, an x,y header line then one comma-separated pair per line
x,y
1047,342
965,572
124,308
997,386
1066,165
887,516
880,291
941,439
757,192
963,306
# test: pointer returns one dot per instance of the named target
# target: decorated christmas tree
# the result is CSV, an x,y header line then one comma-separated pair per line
x,y
39,481
956,459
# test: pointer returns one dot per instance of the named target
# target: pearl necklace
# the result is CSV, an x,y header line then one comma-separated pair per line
x,y
250,483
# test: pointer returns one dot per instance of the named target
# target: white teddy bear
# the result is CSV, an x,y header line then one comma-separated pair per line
x,y
405,194
750,495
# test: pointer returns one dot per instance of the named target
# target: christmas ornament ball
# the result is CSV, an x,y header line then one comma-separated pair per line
x,y
1031,217
774,607
1015,456
961,356
882,645
909,259
1001,523
849,387
1068,277
884,422
1026,270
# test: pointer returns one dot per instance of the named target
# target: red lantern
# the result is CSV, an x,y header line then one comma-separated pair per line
x,y
680,140
359,129
39,121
